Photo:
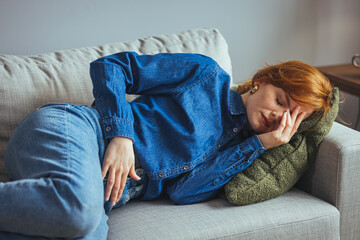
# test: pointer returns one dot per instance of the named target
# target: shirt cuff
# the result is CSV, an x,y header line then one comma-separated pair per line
x,y
252,146
258,145
117,127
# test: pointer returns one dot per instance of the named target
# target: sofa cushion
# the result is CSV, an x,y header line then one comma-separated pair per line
x,y
28,82
295,214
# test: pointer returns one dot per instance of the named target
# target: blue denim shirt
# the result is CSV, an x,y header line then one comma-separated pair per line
x,y
188,127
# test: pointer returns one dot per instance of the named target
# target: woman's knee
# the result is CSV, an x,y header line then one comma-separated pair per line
x,y
81,223
82,212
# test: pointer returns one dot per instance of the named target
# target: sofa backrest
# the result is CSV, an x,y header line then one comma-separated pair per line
x,y
28,82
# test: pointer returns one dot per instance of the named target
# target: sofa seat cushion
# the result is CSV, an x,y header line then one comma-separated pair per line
x,y
296,214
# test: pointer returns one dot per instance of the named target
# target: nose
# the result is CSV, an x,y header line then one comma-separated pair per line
x,y
276,117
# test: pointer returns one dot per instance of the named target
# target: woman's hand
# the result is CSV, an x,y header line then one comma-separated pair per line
x,y
119,161
286,129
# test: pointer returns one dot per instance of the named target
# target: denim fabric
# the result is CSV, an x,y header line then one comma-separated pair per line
x,y
133,189
54,159
56,189
188,127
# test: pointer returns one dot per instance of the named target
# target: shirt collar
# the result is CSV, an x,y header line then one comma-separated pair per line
x,y
236,105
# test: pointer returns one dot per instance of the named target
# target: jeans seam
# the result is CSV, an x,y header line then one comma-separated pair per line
x,y
68,146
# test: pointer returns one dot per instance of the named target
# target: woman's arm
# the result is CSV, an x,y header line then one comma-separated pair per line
x,y
203,182
127,72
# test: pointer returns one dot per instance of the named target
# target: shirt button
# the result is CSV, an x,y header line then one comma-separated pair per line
x,y
161,174
235,130
108,129
186,167
219,145
204,156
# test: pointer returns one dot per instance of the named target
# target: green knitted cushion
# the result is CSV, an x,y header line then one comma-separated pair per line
x,y
278,169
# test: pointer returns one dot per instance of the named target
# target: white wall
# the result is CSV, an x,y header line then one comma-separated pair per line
x,y
319,32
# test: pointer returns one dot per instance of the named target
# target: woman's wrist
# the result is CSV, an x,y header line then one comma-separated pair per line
x,y
266,141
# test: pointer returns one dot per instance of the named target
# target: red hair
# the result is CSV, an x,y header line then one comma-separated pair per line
x,y
306,85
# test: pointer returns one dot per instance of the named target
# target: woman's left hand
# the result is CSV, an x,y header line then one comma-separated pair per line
x,y
119,164
286,129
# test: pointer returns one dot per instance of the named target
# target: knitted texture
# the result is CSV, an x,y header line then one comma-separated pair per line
x,y
278,169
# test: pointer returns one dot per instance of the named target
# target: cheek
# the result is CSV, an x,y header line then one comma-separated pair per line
x,y
253,119
251,109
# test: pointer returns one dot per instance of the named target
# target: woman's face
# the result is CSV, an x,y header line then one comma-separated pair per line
x,y
266,106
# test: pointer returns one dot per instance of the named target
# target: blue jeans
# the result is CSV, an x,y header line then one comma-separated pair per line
x,y
56,190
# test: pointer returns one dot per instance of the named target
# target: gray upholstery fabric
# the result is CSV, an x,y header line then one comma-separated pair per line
x,y
294,215
335,177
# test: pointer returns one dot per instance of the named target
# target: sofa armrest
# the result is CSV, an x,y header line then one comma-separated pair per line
x,y
335,177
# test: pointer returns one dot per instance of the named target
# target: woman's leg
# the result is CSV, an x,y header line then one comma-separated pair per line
x,y
56,188
100,233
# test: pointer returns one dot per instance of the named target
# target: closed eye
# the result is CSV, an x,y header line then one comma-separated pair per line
x,y
278,102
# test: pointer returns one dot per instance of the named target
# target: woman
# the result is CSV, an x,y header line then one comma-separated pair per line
x,y
185,136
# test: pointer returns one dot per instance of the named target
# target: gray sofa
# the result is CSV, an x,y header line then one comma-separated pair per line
x,y
325,204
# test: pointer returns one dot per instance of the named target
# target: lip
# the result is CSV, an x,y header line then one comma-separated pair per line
x,y
265,121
